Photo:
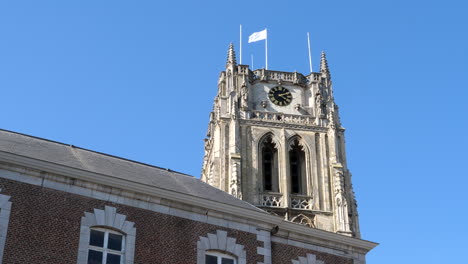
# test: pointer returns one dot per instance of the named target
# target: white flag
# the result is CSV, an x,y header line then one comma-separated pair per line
x,y
261,35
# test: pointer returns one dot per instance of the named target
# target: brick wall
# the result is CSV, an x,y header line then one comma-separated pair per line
x,y
45,225
44,228
282,253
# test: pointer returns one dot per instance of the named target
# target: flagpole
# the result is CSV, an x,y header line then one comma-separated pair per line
x,y
240,45
266,50
251,56
310,56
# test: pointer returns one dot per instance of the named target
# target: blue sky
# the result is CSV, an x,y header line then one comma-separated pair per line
x,y
137,78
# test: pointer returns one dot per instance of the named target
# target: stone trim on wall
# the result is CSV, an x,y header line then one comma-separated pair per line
x,y
5,209
265,251
310,259
111,219
220,242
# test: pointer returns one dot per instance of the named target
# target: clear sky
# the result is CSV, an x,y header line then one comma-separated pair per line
x,y
136,79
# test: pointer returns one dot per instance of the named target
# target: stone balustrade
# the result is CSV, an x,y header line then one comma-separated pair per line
x,y
282,118
301,202
295,77
266,75
271,200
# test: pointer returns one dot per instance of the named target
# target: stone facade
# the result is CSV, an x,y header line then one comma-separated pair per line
x,y
246,123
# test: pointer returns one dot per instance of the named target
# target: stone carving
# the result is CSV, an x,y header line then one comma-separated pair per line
x,y
331,116
262,74
235,184
242,69
272,212
207,144
266,75
339,182
312,127
283,118
209,131
234,109
264,104
271,200
319,105
210,177
342,213
217,111
296,78
341,203
303,220
231,57
301,202
244,97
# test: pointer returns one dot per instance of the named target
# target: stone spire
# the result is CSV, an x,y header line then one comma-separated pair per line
x,y
231,58
324,64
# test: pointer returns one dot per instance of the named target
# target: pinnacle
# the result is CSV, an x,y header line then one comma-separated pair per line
x,y
231,58
323,63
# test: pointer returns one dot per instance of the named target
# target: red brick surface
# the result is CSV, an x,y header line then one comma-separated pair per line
x,y
282,254
44,228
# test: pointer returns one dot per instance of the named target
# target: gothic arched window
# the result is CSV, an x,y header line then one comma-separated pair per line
x,y
297,167
269,165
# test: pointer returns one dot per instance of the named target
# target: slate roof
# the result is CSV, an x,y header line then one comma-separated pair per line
x,y
87,160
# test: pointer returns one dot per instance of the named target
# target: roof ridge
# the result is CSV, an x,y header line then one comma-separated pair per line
x,y
97,152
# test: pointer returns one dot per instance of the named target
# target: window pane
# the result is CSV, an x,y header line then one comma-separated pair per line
x,y
211,259
227,261
94,257
97,238
115,242
113,259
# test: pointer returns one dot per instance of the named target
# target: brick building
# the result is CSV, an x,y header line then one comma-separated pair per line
x,y
64,204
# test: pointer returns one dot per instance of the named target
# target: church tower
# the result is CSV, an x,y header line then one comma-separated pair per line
x,y
275,140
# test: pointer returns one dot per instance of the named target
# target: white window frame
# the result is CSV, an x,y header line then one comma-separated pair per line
x,y
107,219
5,209
220,256
220,242
104,249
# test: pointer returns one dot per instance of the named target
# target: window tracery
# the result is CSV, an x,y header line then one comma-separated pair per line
x,y
297,167
269,157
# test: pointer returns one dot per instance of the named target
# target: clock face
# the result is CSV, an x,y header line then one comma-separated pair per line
x,y
280,96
